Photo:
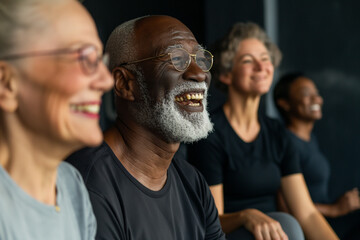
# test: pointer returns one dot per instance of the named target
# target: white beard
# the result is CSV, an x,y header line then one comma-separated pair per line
x,y
174,124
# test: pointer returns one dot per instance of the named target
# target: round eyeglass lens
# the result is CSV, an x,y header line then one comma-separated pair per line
x,y
204,59
90,59
180,59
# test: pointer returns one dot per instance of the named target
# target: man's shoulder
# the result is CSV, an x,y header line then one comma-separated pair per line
x,y
218,116
183,166
88,159
189,175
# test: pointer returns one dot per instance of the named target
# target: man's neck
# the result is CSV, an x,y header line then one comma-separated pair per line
x,y
144,155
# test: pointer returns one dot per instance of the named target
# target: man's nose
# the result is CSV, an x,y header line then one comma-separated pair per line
x,y
195,73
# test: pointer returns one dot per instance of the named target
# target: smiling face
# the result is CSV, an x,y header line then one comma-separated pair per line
x,y
305,103
56,99
173,100
252,71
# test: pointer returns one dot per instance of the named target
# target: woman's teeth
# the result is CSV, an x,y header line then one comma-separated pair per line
x,y
315,107
85,108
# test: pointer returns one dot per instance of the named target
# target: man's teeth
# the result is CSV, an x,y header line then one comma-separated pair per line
x,y
87,108
315,107
194,104
190,96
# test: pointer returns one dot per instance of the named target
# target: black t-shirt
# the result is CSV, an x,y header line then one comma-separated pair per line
x,y
125,209
314,166
250,172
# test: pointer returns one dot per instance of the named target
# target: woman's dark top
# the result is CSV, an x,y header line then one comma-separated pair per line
x,y
316,170
314,166
250,172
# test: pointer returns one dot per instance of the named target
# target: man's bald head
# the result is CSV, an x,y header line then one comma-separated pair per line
x,y
120,44
137,35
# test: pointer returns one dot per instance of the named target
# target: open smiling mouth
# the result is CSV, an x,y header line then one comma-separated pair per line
x,y
191,101
88,109
315,107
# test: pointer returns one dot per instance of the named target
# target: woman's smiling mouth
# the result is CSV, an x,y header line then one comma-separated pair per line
x,y
89,109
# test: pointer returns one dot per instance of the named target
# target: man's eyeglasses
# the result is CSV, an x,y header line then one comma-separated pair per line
x,y
181,59
88,56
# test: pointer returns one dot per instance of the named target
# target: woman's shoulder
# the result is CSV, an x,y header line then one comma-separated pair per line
x,y
68,173
272,125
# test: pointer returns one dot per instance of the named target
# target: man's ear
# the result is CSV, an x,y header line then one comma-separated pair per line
x,y
124,83
283,104
225,78
8,88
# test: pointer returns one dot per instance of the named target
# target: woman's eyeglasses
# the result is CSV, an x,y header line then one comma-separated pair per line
x,y
88,56
181,59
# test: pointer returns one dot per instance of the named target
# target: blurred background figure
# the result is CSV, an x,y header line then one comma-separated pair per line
x,y
248,156
300,105
51,82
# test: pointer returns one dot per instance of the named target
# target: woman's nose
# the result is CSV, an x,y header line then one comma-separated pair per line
x,y
104,81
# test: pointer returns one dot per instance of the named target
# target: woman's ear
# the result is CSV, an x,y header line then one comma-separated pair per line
x,y
124,83
225,78
8,88
283,104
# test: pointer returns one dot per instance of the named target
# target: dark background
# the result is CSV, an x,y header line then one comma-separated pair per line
x,y
320,37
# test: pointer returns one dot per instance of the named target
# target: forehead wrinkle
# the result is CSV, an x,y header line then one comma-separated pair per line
x,y
196,48
174,46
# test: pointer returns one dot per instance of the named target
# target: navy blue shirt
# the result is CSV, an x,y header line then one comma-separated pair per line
x,y
125,209
250,172
314,166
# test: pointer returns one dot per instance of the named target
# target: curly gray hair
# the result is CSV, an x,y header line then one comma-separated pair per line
x,y
226,49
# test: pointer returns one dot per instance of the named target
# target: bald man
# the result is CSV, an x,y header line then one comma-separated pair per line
x,y
138,190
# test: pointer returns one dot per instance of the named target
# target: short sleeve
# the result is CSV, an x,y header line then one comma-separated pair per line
x,y
92,225
108,226
290,163
208,156
213,227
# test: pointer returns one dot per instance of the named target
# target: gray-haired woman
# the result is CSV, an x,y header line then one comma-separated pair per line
x,y
51,81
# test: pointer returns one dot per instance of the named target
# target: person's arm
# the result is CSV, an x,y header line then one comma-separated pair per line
x,y
281,204
347,203
298,200
258,223
92,224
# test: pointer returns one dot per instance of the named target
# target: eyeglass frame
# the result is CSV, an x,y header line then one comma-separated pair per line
x,y
164,54
101,57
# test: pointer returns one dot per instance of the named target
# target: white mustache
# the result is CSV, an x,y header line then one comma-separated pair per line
x,y
188,86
